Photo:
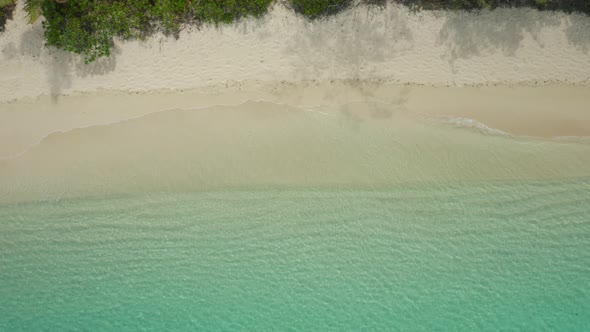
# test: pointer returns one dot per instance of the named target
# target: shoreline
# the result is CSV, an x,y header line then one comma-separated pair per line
x,y
330,134
518,110
394,96
377,168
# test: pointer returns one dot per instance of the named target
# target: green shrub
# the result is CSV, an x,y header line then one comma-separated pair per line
x,y
78,27
88,26
542,3
226,11
33,9
3,18
6,9
317,8
470,4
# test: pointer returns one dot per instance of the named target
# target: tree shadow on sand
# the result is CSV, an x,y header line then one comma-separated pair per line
x,y
350,41
61,66
64,66
578,31
469,34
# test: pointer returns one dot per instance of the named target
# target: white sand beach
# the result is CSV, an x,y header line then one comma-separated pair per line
x,y
68,127
391,45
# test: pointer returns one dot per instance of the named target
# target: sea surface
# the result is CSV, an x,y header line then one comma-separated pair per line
x,y
242,219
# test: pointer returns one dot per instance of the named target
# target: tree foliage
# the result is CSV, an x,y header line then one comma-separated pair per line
x,y
6,8
33,9
316,8
88,26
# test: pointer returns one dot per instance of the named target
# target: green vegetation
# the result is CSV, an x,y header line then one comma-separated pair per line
x,y
316,8
6,3
6,8
33,8
88,27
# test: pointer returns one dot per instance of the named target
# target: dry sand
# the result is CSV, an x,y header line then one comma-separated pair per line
x,y
394,45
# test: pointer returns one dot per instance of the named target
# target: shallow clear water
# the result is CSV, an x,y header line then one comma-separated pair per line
x,y
479,256
293,221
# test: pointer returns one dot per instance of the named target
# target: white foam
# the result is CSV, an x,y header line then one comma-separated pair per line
x,y
472,124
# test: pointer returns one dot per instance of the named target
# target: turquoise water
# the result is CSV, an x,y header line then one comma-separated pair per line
x,y
263,217
483,256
